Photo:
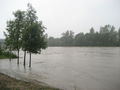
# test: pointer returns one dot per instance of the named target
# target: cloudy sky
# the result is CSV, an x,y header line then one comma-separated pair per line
x,y
61,15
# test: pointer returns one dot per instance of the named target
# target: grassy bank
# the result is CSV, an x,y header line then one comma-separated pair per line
x,y
8,83
5,55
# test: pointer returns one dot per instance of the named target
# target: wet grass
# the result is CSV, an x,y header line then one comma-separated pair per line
x,y
5,55
8,83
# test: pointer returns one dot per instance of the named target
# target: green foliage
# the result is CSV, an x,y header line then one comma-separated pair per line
x,y
25,31
106,36
19,19
6,54
33,37
119,36
54,41
13,35
80,39
1,50
67,38
14,28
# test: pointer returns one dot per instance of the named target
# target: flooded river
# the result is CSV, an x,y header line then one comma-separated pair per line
x,y
70,68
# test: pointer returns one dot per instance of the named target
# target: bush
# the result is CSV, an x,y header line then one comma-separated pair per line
x,y
1,50
8,54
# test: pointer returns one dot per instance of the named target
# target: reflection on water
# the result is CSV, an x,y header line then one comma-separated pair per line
x,y
70,68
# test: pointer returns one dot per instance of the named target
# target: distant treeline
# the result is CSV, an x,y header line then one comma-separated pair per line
x,y
106,36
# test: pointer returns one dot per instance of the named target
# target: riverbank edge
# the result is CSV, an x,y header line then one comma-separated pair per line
x,y
10,83
7,55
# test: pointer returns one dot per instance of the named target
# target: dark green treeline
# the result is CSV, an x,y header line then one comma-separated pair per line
x,y
106,36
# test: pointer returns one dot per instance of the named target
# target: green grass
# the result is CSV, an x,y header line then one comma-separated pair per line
x,y
5,55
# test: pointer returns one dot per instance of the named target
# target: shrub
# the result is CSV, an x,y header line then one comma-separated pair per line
x,y
8,54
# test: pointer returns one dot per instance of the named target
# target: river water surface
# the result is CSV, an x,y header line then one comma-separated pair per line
x,y
70,68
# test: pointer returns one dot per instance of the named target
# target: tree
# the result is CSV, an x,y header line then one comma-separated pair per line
x,y
34,38
112,36
90,37
10,36
80,39
13,34
108,35
19,17
92,31
67,38
25,35
54,41
119,36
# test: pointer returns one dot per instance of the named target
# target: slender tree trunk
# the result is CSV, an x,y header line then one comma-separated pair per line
x,y
30,60
18,57
10,54
24,57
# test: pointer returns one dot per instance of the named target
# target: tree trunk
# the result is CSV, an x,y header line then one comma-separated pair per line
x,y
18,57
30,60
24,58
10,54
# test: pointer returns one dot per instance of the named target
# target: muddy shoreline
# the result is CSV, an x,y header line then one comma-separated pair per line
x,y
9,83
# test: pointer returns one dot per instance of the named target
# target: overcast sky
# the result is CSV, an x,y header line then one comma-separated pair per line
x,y
61,15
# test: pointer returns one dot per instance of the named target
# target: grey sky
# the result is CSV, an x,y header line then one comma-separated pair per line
x,y
61,15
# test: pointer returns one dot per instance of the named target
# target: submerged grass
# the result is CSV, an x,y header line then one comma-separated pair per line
x,y
8,83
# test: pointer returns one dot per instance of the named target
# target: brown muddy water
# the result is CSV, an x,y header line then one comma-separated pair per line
x,y
70,68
